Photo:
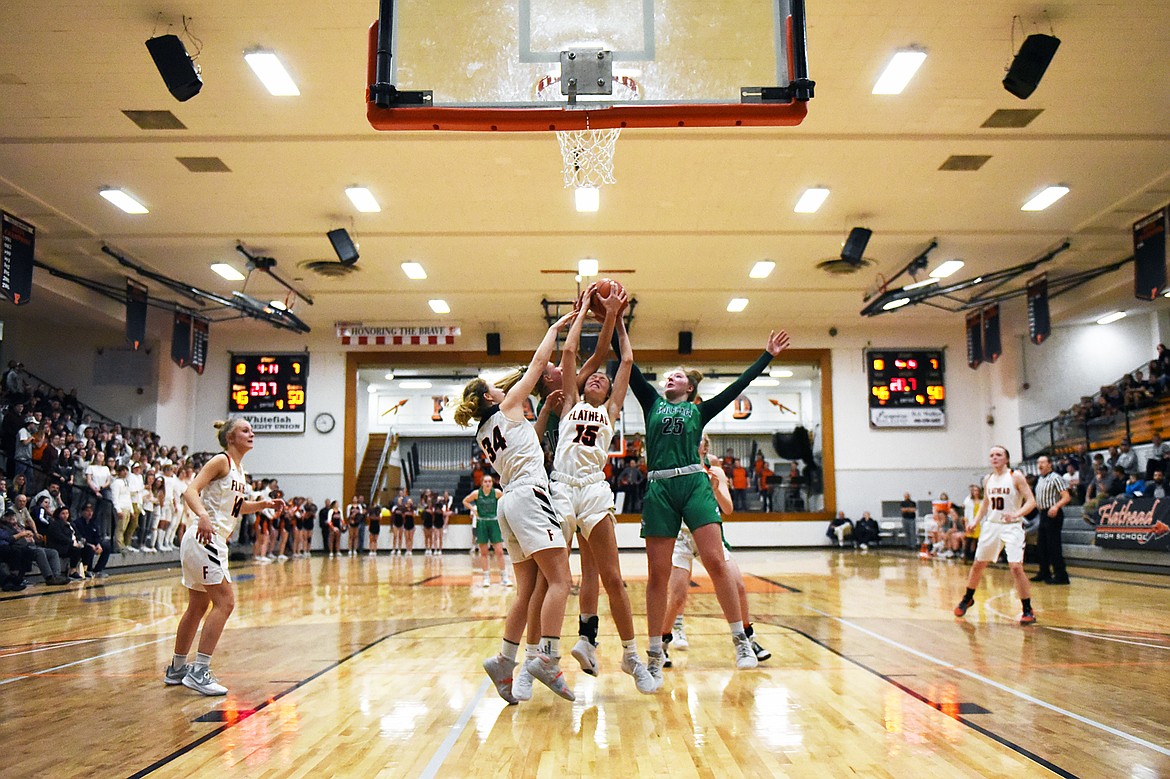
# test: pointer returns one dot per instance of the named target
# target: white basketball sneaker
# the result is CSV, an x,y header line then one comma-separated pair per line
x,y
522,682
202,680
586,654
643,680
744,656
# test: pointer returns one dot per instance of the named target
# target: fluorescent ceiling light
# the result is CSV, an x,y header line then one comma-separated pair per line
x,y
765,382
439,306
587,267
414,270
587,199
1108,318
268,68
363,200
227,271
1046,198
414,384
948,268
737,304
389,375
123,201
919,284
977,280
780,373
811,201
903,65
762,269
278,305
895,304
372,389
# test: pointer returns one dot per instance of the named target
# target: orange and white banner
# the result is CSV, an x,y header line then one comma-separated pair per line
x,y
376,335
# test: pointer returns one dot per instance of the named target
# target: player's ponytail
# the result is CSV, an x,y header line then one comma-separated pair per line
x,y
472,404
224,428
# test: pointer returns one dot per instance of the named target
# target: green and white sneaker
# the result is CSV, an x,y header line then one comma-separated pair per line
x,y
203,681
173,677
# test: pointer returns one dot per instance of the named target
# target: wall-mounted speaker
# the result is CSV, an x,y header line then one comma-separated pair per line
x,y
175,66
854,249
684,342
1029,64
343,245
493,344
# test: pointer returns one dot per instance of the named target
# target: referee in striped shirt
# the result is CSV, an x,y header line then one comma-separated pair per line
x,y
1051,498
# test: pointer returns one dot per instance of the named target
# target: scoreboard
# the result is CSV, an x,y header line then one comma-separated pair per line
x,y
907,388
269,391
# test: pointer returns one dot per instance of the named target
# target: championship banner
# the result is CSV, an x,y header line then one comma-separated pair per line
x,y
1134,523
16,249
374,335
136,302
181,339
200,334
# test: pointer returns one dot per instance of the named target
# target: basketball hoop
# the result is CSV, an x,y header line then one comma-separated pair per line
x,y
588,154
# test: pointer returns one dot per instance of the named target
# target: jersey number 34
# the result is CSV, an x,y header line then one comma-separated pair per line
x,y
494,445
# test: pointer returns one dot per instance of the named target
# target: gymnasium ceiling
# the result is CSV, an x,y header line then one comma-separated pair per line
x,y
484,213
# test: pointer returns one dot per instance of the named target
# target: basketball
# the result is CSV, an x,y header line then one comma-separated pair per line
x,y
603,288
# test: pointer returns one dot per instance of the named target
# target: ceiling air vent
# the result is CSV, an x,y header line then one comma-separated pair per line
x,y
1012,117
839,267
965,162
204,164
155,120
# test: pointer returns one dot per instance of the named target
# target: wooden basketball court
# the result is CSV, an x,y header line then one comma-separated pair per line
x,y
361,667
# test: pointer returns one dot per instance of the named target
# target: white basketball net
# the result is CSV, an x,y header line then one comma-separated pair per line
x,y
588,154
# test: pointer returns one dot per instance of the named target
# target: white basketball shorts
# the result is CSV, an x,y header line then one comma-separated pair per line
x,y
581,508
528,521
995,536
685,551
203,564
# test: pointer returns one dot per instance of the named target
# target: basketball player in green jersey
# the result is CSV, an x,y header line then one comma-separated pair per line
x,y
487,528
679,491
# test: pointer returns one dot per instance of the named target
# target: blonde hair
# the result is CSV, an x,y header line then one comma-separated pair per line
x,y
507,382
471,405
224,428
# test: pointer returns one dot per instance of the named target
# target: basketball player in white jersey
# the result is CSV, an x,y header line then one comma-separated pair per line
x,y
584,501
528,523
217,499
1006,499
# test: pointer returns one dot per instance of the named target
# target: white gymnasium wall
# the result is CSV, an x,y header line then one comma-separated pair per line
x,y
1077,360
307,464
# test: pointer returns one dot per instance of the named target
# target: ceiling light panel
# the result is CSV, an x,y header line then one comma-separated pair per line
x,y
270,70
1044,199
762,269
123,201
228,272
414,270
439,306
737,304
363,200
901,68
811,201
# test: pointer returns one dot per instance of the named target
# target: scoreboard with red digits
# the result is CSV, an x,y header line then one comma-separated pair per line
x,y
269,390
906,388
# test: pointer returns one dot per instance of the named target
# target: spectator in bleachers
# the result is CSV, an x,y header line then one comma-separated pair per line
x,y
1127,459
63,539
1072,482
1156,485
97,547
866,531
1135,486
25,543
1159,454
739,485
765,483
22,459
629,487
123,509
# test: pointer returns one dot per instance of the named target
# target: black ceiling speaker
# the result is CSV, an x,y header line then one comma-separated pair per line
x,y
346,249
1029,64
175,66
854,248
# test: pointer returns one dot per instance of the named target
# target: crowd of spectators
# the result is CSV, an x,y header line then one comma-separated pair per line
x,y
1136,390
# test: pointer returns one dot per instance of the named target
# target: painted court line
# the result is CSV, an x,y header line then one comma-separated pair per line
x,y
12,679
1002,687
49,647
1100,637
444,750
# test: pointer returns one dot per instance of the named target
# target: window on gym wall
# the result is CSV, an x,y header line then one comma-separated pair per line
x,y
768,440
